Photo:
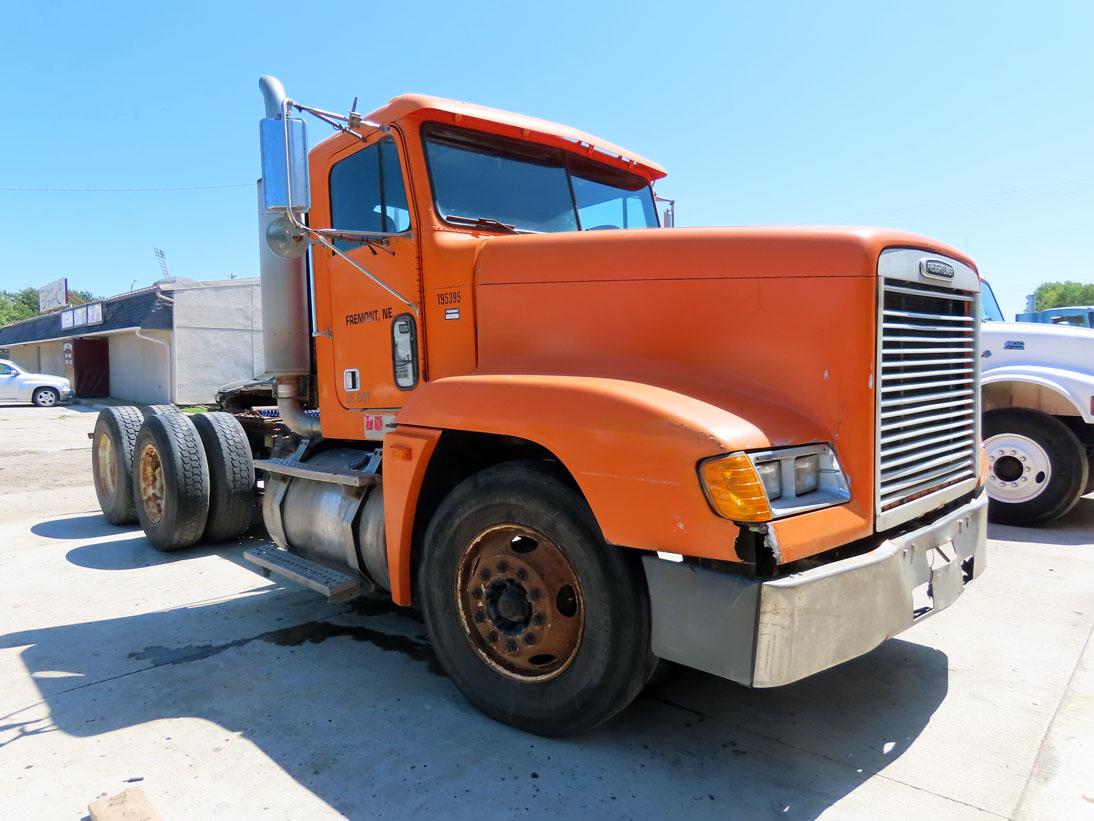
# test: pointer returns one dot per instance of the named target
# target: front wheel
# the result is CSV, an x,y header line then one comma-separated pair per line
x,y
1037,467
538,622
45,397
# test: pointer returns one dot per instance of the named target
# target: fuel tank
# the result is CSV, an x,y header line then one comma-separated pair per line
x,y
337,525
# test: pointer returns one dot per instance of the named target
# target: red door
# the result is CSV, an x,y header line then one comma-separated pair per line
x,y
91,362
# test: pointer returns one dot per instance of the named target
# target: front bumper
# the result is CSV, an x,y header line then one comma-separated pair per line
x,y
769,633
67,394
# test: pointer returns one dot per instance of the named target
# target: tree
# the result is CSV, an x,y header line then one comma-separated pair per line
x,y
79,297
1062,295
16,305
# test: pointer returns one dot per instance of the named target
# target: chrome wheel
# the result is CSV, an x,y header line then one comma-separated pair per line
x,y
152,487
1019,469
520,603
45,398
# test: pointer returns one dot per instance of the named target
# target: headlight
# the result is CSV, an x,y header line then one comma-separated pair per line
x,y
758,487
770,474
806,474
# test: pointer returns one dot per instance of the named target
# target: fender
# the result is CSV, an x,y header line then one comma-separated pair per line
x,y
632,448
1073,387
406,455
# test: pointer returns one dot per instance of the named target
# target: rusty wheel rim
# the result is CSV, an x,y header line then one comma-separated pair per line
x,y
104,454
151,480
520,602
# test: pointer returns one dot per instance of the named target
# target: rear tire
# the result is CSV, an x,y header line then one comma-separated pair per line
x,y
155,410
112,462
1037,467
45,397
170,481
498,538
231,475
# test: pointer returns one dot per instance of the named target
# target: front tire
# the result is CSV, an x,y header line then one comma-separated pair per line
x,y
45,397
1037,467
538,622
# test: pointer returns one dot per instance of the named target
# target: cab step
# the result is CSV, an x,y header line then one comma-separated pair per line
x,y
332,584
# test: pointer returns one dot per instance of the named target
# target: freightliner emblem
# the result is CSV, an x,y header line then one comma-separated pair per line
x,y
935,268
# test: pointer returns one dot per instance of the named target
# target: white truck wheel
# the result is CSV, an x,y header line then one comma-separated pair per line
x,y
1037,468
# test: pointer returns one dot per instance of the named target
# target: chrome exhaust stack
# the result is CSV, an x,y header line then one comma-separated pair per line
x,y
286,328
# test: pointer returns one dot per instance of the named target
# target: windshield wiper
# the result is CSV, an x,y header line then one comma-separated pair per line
x,y
484,221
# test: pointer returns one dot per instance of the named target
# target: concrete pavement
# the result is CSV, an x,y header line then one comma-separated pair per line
x,y
220,692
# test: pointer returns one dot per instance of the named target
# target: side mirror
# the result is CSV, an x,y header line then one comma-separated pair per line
x,y
284,172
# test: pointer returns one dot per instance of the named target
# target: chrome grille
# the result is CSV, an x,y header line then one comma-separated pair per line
x,y
927,384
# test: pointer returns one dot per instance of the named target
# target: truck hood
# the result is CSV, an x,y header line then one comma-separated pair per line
x,y
736,317
695,253
1065,347
772,330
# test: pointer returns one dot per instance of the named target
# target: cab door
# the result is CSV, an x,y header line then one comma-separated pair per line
x,y
374,336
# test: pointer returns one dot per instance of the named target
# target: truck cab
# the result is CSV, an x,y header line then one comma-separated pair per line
x,y
582,442
436,182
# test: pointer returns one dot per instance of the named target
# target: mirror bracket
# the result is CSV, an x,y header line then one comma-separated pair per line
x,y
286,185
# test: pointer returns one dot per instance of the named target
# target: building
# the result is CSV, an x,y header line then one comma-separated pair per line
x,y
177,341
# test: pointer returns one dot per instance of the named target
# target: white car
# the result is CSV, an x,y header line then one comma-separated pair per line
x,y
1037,395
45,391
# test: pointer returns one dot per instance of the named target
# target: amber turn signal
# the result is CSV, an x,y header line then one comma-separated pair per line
x,y
734,488
982,476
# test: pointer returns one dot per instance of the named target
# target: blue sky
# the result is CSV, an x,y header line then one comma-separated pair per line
x,y
969,121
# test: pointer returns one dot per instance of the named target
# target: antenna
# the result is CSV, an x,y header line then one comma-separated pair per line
x,y
354,118
161,258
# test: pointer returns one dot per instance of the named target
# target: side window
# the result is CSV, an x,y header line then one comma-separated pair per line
x,y
367,192
5,369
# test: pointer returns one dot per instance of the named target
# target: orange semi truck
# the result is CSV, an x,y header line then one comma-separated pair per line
x,y
578,441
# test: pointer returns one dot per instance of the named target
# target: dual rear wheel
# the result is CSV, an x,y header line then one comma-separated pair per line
x,y
184,478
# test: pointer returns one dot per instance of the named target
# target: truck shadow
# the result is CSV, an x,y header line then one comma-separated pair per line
x,y
350,701
135,552
89,526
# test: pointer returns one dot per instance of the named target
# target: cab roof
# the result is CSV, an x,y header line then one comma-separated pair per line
x,y
518,126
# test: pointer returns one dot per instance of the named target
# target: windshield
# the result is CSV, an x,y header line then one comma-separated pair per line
x,y
989,307
501,184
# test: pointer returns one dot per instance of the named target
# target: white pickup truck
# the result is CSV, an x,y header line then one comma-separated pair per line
x,y
1038,415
